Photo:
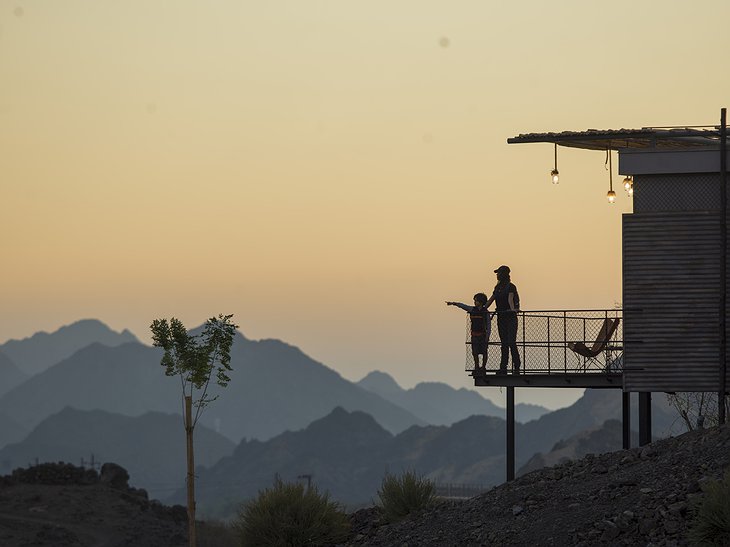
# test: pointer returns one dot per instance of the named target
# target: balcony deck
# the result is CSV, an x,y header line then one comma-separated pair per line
x,y
544,340
574,379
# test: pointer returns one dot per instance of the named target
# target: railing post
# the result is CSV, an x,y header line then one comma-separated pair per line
x,y
608,340
524,355
565,341
548,342
585,339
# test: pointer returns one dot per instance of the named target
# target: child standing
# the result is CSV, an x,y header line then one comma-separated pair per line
x,y
481,327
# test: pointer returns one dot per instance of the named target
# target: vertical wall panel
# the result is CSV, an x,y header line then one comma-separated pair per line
x,y
671,280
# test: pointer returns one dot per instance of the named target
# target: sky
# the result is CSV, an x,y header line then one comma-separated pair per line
x,y
330,172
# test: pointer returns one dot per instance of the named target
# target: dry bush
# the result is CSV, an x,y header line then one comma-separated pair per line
x,y
400,496
292,514
711,524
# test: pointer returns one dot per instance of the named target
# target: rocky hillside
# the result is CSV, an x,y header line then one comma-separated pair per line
x,y
641,496
61,505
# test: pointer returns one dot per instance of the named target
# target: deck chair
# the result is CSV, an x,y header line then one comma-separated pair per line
x,y
604,335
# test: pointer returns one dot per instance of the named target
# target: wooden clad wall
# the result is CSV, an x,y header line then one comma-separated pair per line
x,y
671,284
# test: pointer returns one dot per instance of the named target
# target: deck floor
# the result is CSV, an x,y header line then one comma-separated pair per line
x,y
554,379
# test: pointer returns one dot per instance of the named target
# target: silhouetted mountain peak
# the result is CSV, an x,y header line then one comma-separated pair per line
x,y
42,350
434,402
344,429
380,383
340,420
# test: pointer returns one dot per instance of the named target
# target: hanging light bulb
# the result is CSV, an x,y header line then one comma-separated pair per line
x,y
631,191
628,183
611,195
554,174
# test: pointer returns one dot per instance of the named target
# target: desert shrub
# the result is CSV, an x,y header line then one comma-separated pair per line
x,y
399,496
291,514
711,524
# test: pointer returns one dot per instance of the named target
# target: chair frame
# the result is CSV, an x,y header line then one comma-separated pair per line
x,y
608,328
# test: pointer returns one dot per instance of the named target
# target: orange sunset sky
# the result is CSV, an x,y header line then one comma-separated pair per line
x,y
328,171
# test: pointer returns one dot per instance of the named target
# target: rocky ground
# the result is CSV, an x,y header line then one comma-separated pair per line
x,y
642,496
61,505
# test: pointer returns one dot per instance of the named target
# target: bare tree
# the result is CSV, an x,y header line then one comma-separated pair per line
x,y
697,409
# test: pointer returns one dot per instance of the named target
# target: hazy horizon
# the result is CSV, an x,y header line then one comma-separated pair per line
x,y
329,173
560,398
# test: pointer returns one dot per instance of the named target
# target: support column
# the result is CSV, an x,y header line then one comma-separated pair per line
x,y
644,418
510,433
723,269
626,418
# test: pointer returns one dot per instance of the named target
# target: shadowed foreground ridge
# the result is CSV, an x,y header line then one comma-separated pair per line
x,y
640,496
59,504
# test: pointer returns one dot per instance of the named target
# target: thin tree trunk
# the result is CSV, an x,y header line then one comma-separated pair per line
x,y
191,469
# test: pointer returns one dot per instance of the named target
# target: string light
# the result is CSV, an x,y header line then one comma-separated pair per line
x,y
611,195
628,183
555,174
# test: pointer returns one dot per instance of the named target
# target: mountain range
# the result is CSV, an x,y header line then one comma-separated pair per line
x,y
42,350
275,387
151,446
608,437
278,408
439,404
348,454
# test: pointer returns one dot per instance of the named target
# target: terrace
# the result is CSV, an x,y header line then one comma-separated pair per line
x,y
565,348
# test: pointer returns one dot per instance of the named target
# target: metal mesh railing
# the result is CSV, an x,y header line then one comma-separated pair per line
x,y
558,342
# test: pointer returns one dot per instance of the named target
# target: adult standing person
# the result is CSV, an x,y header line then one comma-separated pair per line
x,y
508,304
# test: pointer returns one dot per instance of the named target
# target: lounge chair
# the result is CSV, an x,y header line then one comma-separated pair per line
x,y
610,324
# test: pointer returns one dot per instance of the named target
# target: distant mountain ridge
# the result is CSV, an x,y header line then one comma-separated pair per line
x,y
10,374
10,430
348,453
274,387
439,404
607,437
42,350
151,446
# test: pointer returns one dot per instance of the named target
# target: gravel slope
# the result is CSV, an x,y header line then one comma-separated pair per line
x,y
641,496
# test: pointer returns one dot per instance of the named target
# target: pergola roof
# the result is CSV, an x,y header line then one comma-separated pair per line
x,y
622,139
